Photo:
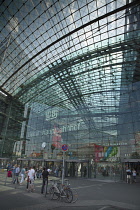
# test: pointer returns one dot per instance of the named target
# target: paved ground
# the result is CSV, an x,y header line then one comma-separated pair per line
x,y
93,195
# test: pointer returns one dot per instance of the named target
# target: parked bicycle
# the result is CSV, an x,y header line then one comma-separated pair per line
x,y
74,192
60,191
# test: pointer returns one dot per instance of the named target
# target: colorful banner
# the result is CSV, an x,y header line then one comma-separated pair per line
x,y
57,139
106,153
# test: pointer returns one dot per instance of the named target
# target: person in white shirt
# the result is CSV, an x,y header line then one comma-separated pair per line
x,y
31,175
22,173
134,173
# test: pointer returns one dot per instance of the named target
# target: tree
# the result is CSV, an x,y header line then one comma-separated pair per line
x,y
135,155
52,147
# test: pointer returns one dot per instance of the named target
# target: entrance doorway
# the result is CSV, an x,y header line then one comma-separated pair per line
x,y
76,168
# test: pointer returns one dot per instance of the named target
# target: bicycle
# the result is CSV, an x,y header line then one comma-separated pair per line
x,y
74,192
59,191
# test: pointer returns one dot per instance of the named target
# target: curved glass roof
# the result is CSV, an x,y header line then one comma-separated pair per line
x,y
80,55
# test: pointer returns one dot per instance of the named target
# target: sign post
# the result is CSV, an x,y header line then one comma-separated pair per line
x,y
64,148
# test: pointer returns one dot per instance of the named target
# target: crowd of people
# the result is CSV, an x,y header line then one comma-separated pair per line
x,y
131,175
21,174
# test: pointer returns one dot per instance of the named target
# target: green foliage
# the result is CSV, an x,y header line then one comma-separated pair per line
x,y
135,155
52,147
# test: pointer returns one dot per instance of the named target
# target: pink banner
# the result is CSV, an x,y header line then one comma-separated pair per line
x,y
56,139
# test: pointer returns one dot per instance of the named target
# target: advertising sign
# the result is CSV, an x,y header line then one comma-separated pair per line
x,y
106,153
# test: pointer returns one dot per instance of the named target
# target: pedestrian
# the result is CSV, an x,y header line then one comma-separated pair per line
x,y
45,175
27,179
9,166
85,171
9,170
128,175
22,173
30,179
56,171
17,172
40,173
14,173
134,173
37,172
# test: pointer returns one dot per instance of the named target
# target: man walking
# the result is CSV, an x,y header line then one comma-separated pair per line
x,y
17,171
45,174
128,175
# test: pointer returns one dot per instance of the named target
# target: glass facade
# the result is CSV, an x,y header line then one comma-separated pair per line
x,y
70,75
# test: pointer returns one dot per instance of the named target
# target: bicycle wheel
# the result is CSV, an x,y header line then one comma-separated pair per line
x,y
54,195
68,196
75,196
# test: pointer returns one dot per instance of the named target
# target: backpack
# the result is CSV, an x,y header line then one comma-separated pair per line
x,y
9,174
